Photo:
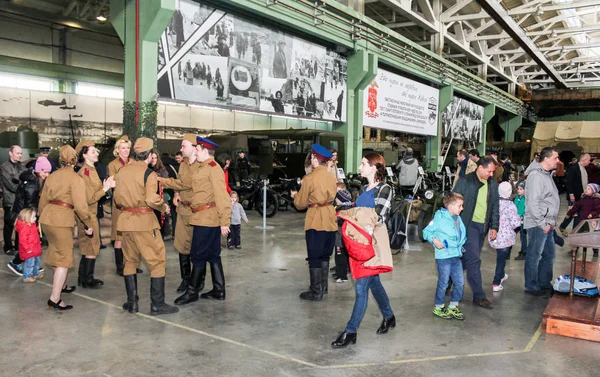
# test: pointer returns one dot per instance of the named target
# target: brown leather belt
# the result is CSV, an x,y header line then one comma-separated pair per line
x,y
137,209
185,204
202,208
62,204
319,205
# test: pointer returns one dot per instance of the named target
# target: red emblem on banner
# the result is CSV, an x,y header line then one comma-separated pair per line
x,y
372,100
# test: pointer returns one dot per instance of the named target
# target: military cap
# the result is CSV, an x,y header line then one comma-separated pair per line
x,y
206,143
321,152
143,144
84,143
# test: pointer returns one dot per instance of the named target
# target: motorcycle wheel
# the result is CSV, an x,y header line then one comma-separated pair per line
x,y
272,204
422,221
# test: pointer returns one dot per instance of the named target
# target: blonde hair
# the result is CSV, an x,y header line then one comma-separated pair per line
x,y
26,214
234,193
118,143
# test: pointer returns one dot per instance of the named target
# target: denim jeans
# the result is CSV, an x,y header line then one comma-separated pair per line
x,y
449,268
539,260
31,267
523,234
362,286
472,259
500,264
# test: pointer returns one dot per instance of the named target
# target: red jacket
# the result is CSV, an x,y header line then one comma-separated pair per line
x,y
586,206
30,244
227,182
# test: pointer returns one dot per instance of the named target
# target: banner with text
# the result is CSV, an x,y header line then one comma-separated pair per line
x,y
396,103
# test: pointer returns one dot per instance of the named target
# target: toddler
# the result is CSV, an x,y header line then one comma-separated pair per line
x,y
448,235
30,245
588,207
520,204
237,215
509,221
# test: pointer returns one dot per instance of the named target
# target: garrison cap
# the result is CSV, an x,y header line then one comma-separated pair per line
x,y
321,152
143,144
191,138
66,153
206,143
84,143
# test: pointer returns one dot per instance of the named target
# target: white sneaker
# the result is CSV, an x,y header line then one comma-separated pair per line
x,y
497,288
503,279
340,280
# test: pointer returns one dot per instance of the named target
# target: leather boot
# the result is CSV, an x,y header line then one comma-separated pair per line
x,y
193,286
132,297
386,324
344,339
324,276
185,269
88,278
119,261
81,274
157,296
218,280
314,293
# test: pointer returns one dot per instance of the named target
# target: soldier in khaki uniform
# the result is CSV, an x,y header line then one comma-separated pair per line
x,y
183,201
121,152
211,214
136,194
317,193
63,199
95,189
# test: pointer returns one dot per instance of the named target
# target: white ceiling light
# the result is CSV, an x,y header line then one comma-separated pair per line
x,y
101,17
539,11
554,34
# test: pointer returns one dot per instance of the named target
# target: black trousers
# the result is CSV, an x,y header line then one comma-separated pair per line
x,y
9,227
319,245
341,263
206,245
234,238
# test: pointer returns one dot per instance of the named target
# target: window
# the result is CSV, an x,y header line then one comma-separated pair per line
x,y
26,82
95,90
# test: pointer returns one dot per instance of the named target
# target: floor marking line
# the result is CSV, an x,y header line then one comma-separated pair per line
x,y
527,349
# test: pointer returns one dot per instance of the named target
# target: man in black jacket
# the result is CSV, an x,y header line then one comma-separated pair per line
x,y
480,214
577,180
9,175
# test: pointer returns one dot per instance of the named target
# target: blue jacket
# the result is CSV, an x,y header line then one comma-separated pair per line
x,y
450,230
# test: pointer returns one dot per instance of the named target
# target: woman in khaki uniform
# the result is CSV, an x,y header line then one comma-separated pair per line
x,y
95,189
121,152
63,199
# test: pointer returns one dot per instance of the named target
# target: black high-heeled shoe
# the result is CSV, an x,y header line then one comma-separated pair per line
x,y
56,305
344,339
67,289
386,324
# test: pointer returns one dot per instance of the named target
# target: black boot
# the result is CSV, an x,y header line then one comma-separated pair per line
x,y
193,287
88,279
157,296
132,297
218,280
81,271
314,293
344,339
185,269
595,253
386,324
521,256
119,261
324,276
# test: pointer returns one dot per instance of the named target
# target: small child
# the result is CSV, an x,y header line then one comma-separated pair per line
x,y
588,207
30,245
448,235
509,221
520,204
343,201
237,215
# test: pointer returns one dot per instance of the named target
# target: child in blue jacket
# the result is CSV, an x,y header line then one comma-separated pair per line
x,y
448,235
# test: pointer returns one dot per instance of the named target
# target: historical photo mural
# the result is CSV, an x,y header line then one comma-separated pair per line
x,y
463,120
207,56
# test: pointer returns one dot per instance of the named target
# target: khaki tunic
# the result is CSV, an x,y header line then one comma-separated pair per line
x,y
113,168
57,221
319,187
140,231
94,191
208,186
183,185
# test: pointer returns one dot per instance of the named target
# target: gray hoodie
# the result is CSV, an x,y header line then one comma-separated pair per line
x,y
541,199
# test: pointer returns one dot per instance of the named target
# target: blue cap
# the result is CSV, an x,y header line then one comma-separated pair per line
x,y
206,143
321,152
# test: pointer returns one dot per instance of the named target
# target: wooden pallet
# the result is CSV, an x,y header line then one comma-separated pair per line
x,y
575,317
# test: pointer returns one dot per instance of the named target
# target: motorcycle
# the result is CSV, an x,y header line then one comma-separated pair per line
x,y
283,191
251,196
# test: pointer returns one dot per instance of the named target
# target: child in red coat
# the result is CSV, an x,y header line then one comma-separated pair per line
x,y
30,245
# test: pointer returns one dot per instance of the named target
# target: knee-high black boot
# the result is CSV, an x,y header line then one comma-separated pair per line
x,y
157,296
314,293
81,274
132,297
185,266
119,261
88,279
324,277
196,280
218,280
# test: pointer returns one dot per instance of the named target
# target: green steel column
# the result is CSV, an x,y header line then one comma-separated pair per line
x,y
154,17
488,113
510,125
434,143
362,69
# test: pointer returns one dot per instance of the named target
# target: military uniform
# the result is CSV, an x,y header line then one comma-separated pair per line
x,y
136,194
113,168
317,194
211,209
63,198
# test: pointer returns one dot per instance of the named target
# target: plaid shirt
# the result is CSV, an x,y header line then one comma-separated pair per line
x,y
384,196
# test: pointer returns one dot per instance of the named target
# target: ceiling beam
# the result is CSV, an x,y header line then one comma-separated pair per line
x,y
555,7
404,8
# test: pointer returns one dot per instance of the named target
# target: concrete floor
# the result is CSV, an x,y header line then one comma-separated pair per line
x,y
263,329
